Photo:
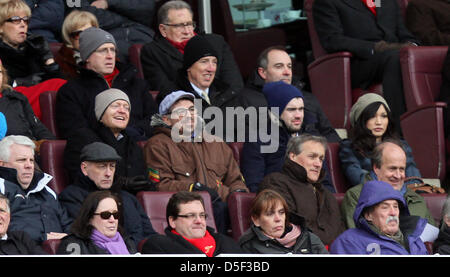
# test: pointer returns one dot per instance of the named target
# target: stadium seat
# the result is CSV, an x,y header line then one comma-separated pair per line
x,y
338,178
236,147
51,246
47,100
239,204
52,156
435,202
134,55
155,202
54,47
335,69
339,197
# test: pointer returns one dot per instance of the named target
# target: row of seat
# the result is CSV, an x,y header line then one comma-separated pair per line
x,y
239,203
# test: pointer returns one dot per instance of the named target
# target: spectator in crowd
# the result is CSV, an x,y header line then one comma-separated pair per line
x,y
182,156
383,225
98,228
388,165
27,57
19,115
274,230
298,182
14,242
163,57
68,56
371,123
36,209
291,121
274,64
429,21
442,244
127,20
112,111
48,17
187,232
374,36
100,71
98,165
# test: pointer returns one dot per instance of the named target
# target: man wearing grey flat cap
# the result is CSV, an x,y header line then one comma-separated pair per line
x,y
97,168
112,114
100,71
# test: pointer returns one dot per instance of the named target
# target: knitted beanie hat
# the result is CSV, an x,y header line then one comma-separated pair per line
x,y
362,103
91,39
197,48
279,94
105,98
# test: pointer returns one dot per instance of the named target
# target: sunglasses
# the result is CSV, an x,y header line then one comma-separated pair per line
x,y
107,215
17,19
75,34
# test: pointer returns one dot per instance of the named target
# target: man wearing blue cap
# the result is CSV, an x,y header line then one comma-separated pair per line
x,y
383,225
290,120
181,156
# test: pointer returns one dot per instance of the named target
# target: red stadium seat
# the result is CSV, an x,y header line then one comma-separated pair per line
x,y
236,147
134,55
338,179
47,100
51,246
435,202
239,204
52,156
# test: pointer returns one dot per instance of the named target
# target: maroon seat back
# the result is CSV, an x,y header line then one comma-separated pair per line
x,y
134,55
236,148
435,202
317,48
155,202
339,198
239,204
338,179
52,156
54,47
47,101
51,246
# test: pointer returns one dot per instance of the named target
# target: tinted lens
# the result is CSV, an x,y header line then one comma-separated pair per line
x,y
107,215
75,34
17,19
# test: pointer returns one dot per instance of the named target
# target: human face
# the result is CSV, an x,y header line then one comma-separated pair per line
x,y
186,122
311,158
177,33
279,67
381,215
107,227
5,217
21,158
101,173
272,221
14,34
293,114
393,164
190,228
102,60
202,72
116,116
74,36
378,124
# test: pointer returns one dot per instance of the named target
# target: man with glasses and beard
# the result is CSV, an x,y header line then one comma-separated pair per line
x,y
383,225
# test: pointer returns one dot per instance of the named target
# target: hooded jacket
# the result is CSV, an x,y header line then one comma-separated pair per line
x,y
175,166
312,201
363,240
254,241
36,210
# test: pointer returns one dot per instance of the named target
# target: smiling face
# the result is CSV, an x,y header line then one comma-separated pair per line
x,y
311,158
202,72
107,227
393,165
116,116
272,221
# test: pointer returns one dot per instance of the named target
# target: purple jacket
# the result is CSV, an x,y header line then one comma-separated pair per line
x,y
362,240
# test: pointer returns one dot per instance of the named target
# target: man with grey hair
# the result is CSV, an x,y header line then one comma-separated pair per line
x,y
14,242
299,183
100,71
442,244
163,57
36,207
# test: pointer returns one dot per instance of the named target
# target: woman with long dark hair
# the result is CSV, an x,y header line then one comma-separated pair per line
x,y
371,123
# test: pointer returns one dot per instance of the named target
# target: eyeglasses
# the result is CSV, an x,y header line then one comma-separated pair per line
x,y
183,111
75,34
17,19
107,215
193,216
181,26
105,51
